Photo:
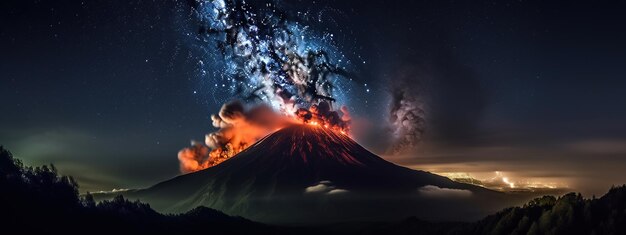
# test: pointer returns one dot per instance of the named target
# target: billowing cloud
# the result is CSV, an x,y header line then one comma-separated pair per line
x,y
406,116
194,158
238,128
323,114
262,55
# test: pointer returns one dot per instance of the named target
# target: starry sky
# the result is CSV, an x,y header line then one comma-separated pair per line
x,y
110,91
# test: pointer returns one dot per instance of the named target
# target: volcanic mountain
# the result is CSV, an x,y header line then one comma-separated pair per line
x,y
311,174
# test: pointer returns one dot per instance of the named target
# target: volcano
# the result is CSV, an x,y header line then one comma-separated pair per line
x,y
311,174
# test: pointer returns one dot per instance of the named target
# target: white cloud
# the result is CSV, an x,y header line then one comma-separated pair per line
x,y
434,191
319,188
337,191
115,190
324,187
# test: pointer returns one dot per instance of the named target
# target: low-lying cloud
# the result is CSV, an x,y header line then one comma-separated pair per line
x,y
324,187
435,191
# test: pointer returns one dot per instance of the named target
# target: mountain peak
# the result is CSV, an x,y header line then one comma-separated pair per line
x,y
311,144
302,172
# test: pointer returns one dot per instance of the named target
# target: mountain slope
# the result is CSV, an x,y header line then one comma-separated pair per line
x,y
306,174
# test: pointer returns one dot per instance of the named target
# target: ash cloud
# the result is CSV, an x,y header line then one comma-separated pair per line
x,y
193,158
238,128
323,114
432,95
263,55
407,116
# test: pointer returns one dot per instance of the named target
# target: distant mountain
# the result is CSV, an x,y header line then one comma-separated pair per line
x,y
310,174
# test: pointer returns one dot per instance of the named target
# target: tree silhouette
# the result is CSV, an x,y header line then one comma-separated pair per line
x,y
39,200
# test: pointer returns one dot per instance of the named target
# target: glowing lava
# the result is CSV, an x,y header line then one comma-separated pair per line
x,y
239,128
322,115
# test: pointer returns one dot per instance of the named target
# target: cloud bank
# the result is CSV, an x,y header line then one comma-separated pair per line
x,y
435,191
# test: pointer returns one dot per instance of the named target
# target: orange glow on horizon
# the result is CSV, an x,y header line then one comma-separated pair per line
x,y
501,182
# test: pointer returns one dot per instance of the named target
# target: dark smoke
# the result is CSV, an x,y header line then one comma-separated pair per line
x,y
435,97
407,116
433,93
263,55
323,114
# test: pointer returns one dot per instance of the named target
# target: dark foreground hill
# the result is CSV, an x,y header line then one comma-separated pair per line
x,y
37,200
568,214
304,174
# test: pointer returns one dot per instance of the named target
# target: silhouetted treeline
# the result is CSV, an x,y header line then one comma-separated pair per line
x,y
568,214
38,200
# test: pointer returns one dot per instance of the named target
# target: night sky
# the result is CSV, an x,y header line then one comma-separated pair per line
x,y
110,91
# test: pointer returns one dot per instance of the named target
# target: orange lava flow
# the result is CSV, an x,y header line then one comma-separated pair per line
x,y
321,115
222,154
239,130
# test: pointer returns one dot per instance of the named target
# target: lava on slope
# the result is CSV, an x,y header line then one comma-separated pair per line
x,y
314,143
240,126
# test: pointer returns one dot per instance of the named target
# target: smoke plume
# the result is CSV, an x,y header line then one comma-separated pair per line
x,y
407,116
238,129
264,56
194,158
323,115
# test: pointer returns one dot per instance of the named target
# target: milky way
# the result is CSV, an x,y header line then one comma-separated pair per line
x,y
263,55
